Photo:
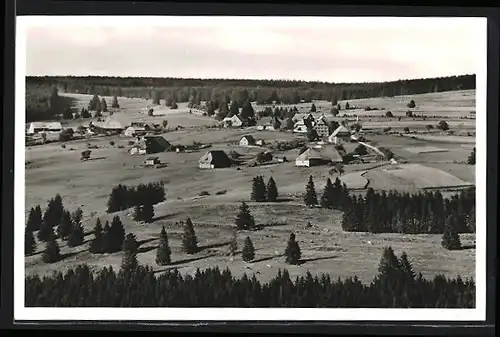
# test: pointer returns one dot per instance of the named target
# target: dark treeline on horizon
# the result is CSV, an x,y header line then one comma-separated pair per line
x,y
40,94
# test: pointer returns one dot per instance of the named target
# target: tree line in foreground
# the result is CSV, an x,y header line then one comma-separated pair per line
x,y
221,92
395,286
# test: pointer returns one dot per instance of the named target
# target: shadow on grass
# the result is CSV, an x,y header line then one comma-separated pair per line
x,y
166,216
90,232
176,263
302,261
95,158
141,242
146,249
259,227
266,258
472,246
215,245
284,200
68,255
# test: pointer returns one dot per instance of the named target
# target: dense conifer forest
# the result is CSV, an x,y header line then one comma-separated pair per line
x,y
396,286
41,97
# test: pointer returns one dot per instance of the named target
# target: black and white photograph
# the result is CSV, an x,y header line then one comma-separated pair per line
x,y
232,168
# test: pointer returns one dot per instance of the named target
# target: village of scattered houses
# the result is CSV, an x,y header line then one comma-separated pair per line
x,y
148,141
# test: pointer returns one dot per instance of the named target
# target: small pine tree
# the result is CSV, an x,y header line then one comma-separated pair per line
x,y
130,247
163,253
248,252
104,105
310,198
114,102
471,160
107,239
65,226
389,263
328,197
244,220
272,190
117,234
52,252
292,251
138,213
148,212
29,242
451,238
96,245
406,267
76,236
233,245
45,232
189,240
34,221
258,189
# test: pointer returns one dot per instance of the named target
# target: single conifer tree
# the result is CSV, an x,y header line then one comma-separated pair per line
x,y
138,213
406,267
163,252
54,211
148,212
451,238
77,216
107,239
328,197
76,236
34,221
310,198
96,245
114,102
65,226
292,251
29,242
52,253
258,189
233,245
244,220
44,232
130,246
272,190
389,263
248,251
104,105
117,234
189,240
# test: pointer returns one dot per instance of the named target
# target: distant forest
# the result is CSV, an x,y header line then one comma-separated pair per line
x,y
40,94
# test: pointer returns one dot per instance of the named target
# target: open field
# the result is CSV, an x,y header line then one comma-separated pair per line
x,y
51,169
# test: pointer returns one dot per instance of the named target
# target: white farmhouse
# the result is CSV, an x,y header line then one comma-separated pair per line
x,y
37,127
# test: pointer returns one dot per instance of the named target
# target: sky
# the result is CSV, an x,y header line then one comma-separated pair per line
x,y
302,48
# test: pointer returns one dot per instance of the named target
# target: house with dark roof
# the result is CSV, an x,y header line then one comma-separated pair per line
x,y
247,140
318,156
214,159
150,145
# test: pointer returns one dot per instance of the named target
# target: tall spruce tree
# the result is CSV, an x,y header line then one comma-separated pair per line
x,y
451,239
406,267
328,197
107,238
292,251
310,198
138,212
104,105
130,246
248,251
272,190
114,102
54,211
96,245
45,232
163,252
148,212
65,225
76,236
29,242
34,221
389,263
189,240
52,253
258,189
244,220
117,234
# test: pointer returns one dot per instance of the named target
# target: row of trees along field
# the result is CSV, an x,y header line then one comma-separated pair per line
x,y
218,91
395,286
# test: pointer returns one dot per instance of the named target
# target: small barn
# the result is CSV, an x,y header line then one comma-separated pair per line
x,y
339,134
247,140
214,159
151,161
37,127
150,145
234,121
315,157
107,127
